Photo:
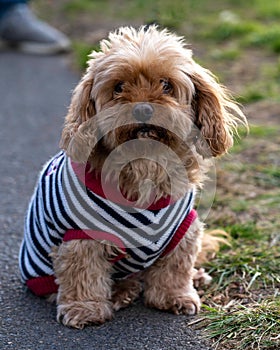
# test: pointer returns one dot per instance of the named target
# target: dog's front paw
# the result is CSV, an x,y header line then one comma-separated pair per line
x,y
185,303
78,314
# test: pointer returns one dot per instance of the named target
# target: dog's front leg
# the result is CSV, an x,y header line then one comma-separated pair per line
x,y
169,281
83,276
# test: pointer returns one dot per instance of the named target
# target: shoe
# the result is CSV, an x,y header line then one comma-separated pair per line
x,y
20,29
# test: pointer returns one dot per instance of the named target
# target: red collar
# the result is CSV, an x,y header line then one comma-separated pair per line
x,y
92,180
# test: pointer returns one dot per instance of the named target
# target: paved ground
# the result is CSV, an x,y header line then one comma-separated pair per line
x,y
34,95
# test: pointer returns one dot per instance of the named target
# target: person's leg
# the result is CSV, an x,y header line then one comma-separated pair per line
x,y
20,29
5,5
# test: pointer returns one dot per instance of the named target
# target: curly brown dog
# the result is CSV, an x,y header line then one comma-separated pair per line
x,y
116,205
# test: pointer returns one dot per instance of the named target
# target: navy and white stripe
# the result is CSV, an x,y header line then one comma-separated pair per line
x,y
62,202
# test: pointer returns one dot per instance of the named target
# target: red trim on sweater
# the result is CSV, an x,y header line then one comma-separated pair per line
x,y
180,233
42,285
93,181
98,235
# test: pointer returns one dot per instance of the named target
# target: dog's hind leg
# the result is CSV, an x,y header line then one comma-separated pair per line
x,y
125,292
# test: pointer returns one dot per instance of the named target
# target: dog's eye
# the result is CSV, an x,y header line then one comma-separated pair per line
x,y
166,86
119,87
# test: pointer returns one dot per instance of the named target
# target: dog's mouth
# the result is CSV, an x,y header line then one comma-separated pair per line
x,y
147,131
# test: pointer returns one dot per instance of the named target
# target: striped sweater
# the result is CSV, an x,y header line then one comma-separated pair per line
x,y
69,203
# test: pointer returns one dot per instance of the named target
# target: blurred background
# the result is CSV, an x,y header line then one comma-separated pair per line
x,y
238,40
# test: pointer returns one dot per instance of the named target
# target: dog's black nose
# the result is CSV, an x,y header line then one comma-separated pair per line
x,y
143,112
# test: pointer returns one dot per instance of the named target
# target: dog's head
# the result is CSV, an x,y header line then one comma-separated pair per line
x,y
144,85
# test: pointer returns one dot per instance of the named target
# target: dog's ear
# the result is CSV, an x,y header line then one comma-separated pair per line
x,y
215,114
81,109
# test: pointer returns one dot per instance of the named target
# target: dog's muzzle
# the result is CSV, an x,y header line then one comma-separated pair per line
x,y
143,112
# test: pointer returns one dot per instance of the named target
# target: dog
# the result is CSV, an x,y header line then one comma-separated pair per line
x,y
113,212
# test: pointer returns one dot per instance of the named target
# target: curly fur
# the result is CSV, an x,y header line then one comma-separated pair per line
x,y
194,117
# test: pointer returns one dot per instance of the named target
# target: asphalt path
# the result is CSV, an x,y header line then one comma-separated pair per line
x,y
34,94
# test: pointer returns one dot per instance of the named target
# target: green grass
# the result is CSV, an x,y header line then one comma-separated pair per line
x,y
246,139
237,313
248,263
246,267
230,54
257,327
246,282
82,51
262,131
251,94
240,205
248,231
247,33
268,10
77,6
229,30
270,198
266,38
